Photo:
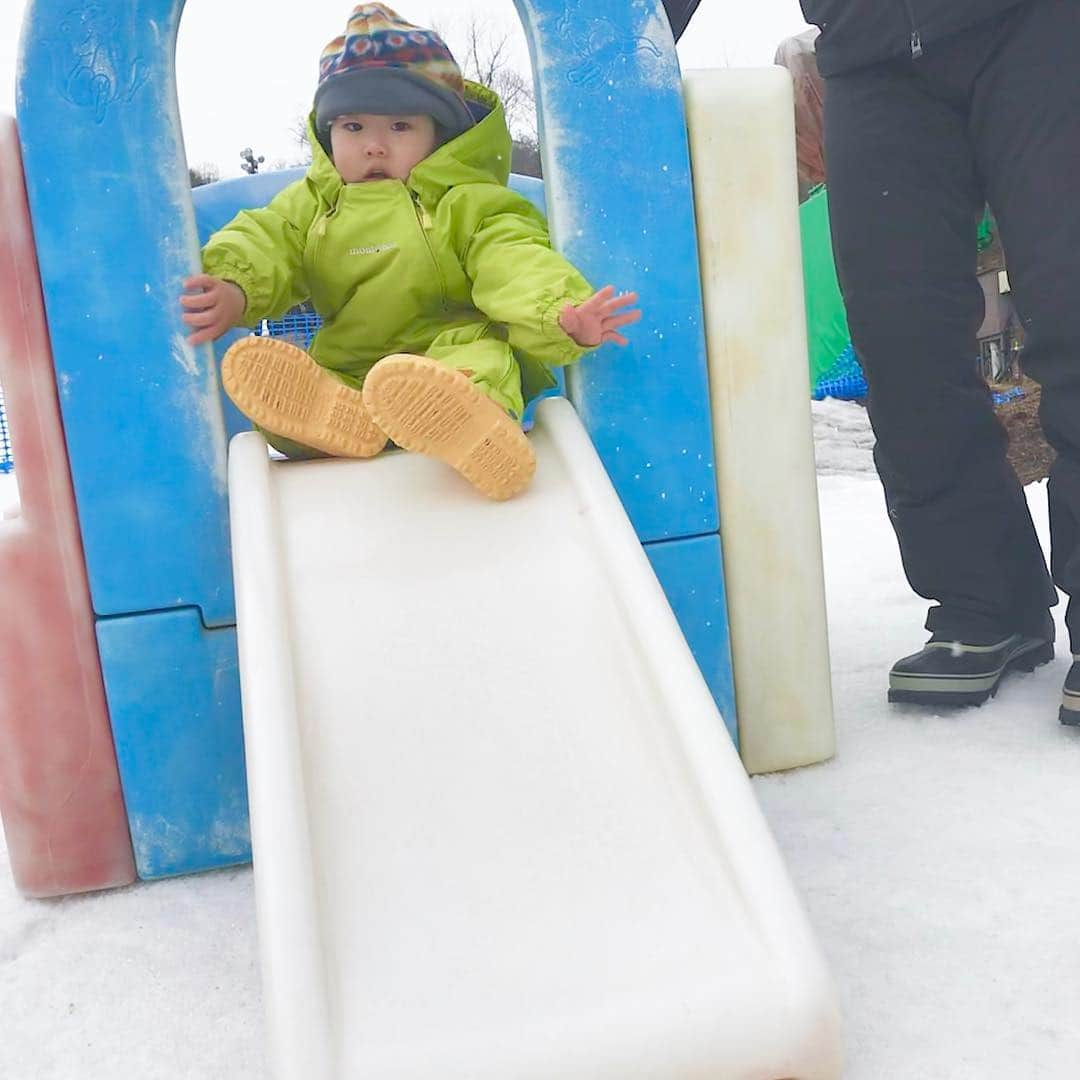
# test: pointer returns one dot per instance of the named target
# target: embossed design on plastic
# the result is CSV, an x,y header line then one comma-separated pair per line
x,y
90,63
604,48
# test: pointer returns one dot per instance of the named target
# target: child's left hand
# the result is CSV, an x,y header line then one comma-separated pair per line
x,y
597,320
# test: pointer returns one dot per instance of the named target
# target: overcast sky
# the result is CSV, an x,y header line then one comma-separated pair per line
x,y
246,71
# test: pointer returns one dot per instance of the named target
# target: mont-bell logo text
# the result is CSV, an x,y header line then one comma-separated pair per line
x,y
373,249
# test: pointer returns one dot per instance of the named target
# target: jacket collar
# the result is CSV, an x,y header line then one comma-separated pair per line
x,y
479,155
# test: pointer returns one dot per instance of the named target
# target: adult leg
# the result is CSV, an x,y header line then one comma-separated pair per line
x,y
1025,127
904,204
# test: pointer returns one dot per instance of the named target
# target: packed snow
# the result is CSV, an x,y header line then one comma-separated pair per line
x,y
9,495
937,855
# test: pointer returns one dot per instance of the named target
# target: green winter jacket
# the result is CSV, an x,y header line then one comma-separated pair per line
x,y
451,253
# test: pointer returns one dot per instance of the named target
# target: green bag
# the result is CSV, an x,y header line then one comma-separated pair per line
x,y
826,321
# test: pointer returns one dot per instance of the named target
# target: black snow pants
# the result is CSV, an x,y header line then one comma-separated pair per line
x,y
913,148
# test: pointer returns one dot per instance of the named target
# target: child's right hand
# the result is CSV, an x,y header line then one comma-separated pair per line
x,y
597,320
219,307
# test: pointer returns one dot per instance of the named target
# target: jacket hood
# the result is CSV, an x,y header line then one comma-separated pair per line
x,y
479,155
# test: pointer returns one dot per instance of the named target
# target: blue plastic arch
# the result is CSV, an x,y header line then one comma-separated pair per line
x,y
143,415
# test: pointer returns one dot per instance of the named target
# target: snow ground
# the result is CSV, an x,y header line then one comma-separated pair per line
x,y
937,855
9,495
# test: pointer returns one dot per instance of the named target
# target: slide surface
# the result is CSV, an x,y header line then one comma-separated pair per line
x,y
499,829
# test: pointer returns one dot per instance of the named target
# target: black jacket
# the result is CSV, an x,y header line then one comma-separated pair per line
x,y
678,13
855,33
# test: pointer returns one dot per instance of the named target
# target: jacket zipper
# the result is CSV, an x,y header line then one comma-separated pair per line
x,y
422,219
320,231
916,37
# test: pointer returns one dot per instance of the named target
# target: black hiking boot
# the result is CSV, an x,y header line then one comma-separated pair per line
x,y
1069,713
954,673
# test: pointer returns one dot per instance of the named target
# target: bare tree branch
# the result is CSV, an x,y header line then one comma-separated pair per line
x,y
487,58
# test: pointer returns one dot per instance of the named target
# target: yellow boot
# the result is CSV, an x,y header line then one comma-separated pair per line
x,y
280,388
432,409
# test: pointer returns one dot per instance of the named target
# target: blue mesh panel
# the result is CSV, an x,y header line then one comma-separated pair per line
x,y
1001,396
296,326
843,380
6,462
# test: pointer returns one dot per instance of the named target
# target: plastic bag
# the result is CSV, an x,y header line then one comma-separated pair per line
x,y
798,56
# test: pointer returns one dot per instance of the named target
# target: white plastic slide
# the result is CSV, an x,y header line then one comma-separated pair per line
x,y
500,832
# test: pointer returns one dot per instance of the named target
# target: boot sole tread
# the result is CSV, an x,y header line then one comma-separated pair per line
x,y
279,387
431,409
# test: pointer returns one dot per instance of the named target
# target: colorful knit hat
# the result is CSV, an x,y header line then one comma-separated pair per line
x,y
386,66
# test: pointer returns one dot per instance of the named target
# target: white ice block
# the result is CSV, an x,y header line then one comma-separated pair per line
x,y
742,143
500,832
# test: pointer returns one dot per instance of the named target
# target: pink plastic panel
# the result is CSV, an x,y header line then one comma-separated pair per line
x,y
60,796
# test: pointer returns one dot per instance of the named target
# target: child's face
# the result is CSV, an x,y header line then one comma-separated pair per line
x,y
368,147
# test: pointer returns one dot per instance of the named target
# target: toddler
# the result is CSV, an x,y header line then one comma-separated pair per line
x,y
444,307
